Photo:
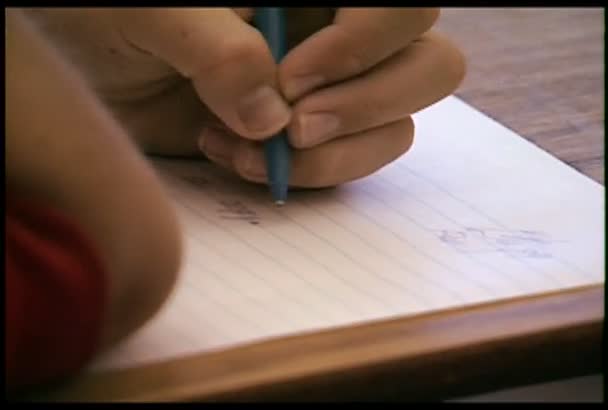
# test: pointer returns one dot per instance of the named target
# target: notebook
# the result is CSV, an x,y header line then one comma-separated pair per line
x,y
473,213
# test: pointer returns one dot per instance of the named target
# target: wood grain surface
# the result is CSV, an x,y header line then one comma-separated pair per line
x,y
426,357
539,72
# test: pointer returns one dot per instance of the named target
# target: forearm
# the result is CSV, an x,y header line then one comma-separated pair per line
x,y
63,149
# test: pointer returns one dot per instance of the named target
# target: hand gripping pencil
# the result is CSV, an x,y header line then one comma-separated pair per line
x,y
271,22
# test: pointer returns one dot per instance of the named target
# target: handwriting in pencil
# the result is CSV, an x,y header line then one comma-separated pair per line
x,y
229,209
237,210
519,243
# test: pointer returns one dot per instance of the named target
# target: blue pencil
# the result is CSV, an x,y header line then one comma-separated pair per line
x,y
271,22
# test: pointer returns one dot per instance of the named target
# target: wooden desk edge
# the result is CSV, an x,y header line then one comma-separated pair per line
x,y
431,356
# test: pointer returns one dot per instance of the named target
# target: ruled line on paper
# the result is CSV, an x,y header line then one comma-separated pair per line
x,y
286,299
296,202
217,284
354,265
330,275
393,203
341,309
535,240
376,268
455,272
414,237
414,221
392,246
389,263
410,242
485,215
270,262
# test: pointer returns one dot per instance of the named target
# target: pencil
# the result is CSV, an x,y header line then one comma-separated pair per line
x,y
271,23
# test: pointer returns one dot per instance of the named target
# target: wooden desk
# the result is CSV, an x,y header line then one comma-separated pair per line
x,y
539,72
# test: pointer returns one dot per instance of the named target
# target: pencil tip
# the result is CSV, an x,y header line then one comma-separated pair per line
x,y
279,193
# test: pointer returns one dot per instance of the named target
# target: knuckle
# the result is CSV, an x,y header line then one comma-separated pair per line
x,y
447,59
235,54
352,57
458,66
404,135
454,62
242,51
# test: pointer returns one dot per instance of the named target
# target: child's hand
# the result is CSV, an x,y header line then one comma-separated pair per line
x,y
353,85
184,79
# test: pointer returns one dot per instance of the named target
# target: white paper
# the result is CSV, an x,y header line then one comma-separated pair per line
x,y
473,213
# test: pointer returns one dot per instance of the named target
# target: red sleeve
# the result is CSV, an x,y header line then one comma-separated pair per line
x,y
55,295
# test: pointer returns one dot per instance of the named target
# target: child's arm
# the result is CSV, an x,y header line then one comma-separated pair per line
x,y
69,163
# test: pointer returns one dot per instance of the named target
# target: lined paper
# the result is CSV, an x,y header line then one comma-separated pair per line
x,y
473,213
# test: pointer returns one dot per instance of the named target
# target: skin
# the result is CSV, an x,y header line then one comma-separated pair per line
x,y
107,187
186,81
202,82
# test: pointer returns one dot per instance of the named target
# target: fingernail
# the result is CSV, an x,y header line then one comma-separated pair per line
x,y
300,85
264,110
312,129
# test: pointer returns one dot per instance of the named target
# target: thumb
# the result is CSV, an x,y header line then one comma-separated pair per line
x,y
227,60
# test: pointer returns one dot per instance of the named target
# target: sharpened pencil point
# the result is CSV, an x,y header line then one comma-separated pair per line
x,y
279,193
